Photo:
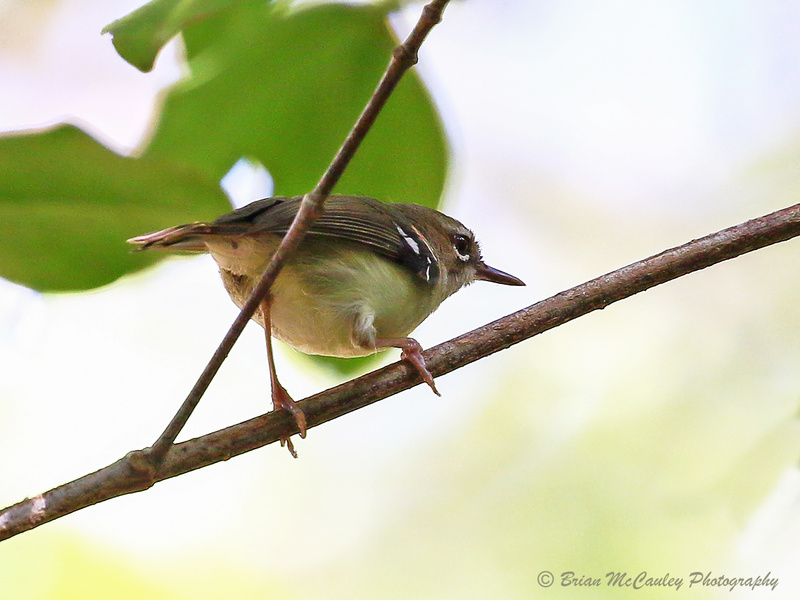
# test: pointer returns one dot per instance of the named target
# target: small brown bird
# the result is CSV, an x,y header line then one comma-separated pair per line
x,y
366,274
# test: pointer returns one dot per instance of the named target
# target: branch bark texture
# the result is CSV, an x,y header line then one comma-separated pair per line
x,y
134,472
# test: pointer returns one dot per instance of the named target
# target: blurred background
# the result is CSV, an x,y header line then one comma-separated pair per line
x,y
658,435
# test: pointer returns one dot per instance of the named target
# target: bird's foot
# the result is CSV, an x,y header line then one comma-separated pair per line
x,y
281,400
412,354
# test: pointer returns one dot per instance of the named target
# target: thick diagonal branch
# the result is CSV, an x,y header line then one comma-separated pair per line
x,y
130,474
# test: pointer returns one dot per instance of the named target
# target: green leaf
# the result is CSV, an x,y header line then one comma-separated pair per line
x,y
67,204
279,87
140,36
284,88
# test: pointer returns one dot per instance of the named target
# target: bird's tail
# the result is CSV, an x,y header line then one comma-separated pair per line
x,y
186,238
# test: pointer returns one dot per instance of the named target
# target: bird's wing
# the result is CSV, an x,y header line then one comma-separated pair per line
x,y
361,220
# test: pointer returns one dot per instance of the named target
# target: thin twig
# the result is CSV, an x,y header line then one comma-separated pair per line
x,y
120,477
403,58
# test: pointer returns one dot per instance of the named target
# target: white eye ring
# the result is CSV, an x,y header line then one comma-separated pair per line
x,y
461,244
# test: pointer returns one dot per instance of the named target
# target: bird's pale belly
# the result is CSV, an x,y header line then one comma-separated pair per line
x,y
340,306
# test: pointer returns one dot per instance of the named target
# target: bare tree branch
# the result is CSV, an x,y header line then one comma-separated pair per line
x,y
403,58
134,472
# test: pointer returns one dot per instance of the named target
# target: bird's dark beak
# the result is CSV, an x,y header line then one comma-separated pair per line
x,y
486,273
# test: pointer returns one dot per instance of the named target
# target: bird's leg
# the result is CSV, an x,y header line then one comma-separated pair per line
x,y
280,397
412,354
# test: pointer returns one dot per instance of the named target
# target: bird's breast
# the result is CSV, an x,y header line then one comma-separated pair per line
x,y
336,301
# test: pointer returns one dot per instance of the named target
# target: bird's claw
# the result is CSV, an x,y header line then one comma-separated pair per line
x,y
412,354
281,400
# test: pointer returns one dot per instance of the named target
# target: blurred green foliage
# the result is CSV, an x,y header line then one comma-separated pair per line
x,y
278,86
69,203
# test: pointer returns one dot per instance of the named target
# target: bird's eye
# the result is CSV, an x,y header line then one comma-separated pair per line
x,y
462,244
